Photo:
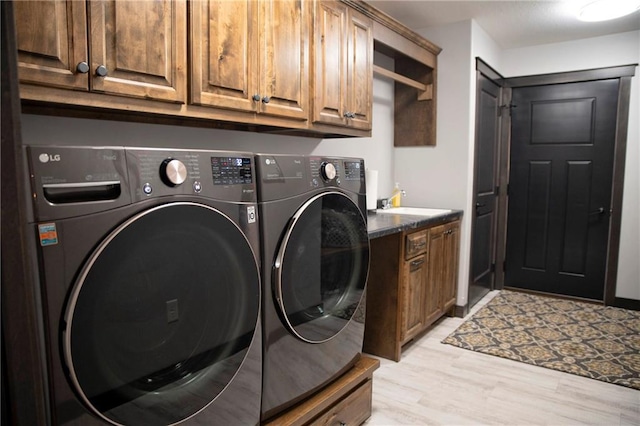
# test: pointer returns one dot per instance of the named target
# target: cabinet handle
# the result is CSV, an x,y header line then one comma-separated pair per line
x,y
266,100
349,114
416,263
82,67
256,97
101,71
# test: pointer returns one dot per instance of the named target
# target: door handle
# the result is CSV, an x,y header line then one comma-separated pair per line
x,y
598,212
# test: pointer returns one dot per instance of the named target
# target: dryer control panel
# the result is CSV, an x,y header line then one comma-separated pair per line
x,y
346,173
283,175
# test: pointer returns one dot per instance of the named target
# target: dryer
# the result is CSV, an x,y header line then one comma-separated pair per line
x,y
315,252
148,261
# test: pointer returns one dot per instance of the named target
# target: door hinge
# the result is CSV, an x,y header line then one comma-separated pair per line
x,y
506,107
493,267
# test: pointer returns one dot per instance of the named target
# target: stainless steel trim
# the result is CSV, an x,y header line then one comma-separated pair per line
x,y
81,184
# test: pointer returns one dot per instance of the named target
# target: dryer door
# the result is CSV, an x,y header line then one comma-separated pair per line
x,y
321,267
162,315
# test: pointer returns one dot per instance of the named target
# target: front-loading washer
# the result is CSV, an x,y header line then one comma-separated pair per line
x,y
148,261
315,252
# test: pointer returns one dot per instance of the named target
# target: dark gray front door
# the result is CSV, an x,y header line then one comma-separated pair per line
x,y
562,152
485,184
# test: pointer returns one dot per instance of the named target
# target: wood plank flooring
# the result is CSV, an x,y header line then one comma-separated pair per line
x,y
438,384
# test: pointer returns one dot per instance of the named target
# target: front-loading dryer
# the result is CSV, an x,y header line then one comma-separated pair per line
x,y
148,261
315,252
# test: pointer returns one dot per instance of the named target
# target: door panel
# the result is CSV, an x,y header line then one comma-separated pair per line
x,y
330,63
485,180
560,187
142,45
360,70
223,54
52,41
284,57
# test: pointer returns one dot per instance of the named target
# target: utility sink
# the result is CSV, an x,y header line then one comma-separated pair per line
x,y
416,211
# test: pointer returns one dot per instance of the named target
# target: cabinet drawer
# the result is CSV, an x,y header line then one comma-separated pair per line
x,y
353,410
415,244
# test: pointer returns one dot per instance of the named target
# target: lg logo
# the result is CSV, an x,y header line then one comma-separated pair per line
x,y
45,158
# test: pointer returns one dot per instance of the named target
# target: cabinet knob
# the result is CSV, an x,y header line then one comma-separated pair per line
x,y
256,97
101,71
82,67
266,100
349,114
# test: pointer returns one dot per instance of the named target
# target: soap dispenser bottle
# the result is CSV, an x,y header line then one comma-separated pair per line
x,y
396,196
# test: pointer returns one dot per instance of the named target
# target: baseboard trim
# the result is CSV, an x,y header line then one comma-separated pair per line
x,y
461,311
621,302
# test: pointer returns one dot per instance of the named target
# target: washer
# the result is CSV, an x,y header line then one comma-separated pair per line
x,y
315,249
151,294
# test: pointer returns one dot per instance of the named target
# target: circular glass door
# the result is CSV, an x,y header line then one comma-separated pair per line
x,y
162,315
322,266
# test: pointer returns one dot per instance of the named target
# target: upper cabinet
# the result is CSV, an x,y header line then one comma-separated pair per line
x,y
302,67
342,66
133,49
251,56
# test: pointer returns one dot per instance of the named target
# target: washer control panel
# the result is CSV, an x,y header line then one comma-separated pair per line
x,y
215,174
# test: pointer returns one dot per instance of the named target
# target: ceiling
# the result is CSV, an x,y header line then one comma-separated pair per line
x,y
511,23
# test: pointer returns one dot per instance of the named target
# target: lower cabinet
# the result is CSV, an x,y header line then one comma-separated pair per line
x,y
412,283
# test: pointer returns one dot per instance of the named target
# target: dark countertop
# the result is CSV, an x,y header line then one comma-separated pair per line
x,y
379,225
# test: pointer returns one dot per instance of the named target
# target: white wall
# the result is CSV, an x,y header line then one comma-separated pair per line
x,y
607,51
439,176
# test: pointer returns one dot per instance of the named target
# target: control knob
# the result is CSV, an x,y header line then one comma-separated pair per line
x,y
173,172
328,171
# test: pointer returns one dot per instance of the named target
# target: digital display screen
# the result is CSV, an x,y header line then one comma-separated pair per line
x,y
231,170
352,170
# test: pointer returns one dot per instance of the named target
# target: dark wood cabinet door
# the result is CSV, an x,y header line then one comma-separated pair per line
x,y
283,49
224,54
141,46
342,66
360,71
52,41
330,63
436,275
414,283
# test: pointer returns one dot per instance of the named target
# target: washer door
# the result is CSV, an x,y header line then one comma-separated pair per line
x,y
162,315
322,266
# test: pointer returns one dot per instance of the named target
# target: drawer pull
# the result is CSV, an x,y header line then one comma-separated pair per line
x,y
417,263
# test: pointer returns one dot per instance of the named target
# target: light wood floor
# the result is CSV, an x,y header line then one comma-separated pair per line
x,y
438,384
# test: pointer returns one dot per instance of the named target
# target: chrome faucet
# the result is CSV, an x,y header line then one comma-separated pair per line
x,y
388,203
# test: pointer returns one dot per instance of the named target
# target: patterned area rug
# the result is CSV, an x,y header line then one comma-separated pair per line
x,y
594,341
